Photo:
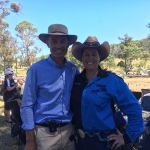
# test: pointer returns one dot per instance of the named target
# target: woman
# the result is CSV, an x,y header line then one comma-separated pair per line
x,y
93,92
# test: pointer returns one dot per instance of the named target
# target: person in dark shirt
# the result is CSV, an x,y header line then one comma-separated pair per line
x,y
11,96
93,91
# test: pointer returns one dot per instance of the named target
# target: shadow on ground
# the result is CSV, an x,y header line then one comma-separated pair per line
x,y
6,141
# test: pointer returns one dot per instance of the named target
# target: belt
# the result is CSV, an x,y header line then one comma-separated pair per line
x,y
49,124
102,136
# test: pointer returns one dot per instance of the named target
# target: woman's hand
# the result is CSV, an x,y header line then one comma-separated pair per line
x,y
117,139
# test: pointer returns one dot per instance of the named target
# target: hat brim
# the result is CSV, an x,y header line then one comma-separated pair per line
x,y
103,49
72,38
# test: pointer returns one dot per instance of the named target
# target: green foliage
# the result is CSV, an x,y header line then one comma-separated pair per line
x,y
26,32
109,63
8,49
130,50
72,59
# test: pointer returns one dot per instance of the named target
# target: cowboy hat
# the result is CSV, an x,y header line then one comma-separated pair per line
x,y
57,30
91,42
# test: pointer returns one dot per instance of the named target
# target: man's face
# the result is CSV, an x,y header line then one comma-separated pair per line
x,y
58,46
10,76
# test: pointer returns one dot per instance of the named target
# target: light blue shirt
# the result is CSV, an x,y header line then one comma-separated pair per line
x,y
46,94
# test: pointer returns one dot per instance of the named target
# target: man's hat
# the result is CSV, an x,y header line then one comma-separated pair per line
x,y
8,71
59,30
91,42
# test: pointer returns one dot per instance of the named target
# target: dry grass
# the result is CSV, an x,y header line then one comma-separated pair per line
x,y
138,83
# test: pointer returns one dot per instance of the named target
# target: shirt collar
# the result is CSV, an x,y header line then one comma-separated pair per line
x,y
101,73
52,62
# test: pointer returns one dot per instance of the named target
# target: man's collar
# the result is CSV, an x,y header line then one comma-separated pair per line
x,y
50,59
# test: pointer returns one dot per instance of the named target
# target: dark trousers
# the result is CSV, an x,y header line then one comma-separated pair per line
x,y
93,143
14,107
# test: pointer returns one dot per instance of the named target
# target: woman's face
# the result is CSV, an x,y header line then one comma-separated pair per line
x,y
90,58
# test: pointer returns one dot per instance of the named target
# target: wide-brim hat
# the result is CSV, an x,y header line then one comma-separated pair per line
x,y
91,42
57,30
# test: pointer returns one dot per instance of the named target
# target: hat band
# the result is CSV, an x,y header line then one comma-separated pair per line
x,y
92,44
58,32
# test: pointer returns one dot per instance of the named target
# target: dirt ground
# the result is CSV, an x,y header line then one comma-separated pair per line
x,y
6,141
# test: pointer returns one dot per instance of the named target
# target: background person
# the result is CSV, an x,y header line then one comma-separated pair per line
x,y
93,92
10,97
45,108
145,99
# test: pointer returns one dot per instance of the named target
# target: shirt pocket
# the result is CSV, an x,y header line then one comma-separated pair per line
x,y
100,96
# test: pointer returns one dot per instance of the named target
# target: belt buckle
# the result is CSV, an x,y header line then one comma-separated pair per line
x,y
81,133
52,127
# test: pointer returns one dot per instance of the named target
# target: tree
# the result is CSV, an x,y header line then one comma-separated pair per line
x,y
8,49
6,7
74,60
148,25
109,63
27,34
7,42
130,50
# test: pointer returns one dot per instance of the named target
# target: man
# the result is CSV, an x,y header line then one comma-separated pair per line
x,y
10,97
45,109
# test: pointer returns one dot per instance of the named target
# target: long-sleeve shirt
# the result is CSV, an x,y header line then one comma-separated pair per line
x,y
94,109
46,94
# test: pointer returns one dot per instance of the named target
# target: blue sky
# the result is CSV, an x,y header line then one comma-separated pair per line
x,y
106,19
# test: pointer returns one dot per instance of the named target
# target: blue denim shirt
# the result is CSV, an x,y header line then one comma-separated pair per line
x,y
46,94
96,110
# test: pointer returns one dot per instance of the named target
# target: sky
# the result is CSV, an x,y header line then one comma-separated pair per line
x,y
105,19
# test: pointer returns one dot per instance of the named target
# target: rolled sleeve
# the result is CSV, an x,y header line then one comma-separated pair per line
x,y
28,101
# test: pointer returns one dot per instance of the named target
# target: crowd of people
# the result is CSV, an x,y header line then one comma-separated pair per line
x,y
61,108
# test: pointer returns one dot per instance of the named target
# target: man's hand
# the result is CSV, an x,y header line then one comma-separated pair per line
x,y
30,145
30,140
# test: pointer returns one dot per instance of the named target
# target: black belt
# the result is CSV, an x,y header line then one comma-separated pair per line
x,y
54,124
102,136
